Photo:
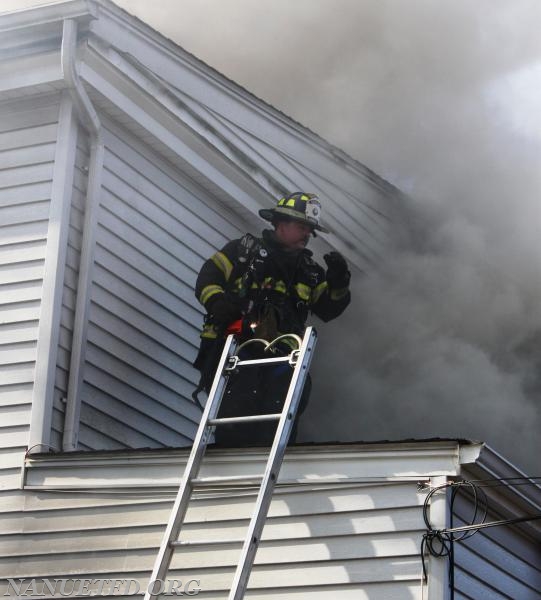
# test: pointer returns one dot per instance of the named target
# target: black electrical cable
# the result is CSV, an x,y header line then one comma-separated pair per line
x,y
479,499
439,542
507,481
477,527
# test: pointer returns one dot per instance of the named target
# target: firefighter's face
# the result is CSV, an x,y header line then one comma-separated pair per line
x,y
293,234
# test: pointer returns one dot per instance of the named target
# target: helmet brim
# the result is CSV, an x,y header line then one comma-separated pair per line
x,y
270,214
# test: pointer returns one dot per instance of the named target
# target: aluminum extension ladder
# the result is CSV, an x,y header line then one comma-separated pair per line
x,y
299,359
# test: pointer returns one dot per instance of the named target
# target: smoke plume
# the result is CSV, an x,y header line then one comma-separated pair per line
x,y
448,332
441,99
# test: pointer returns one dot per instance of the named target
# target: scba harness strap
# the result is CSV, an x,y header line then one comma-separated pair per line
x,y
251,259
239,276
288,291
274,300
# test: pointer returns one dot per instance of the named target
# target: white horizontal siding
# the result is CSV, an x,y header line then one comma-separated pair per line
x,y
154,232
318,540
27,146
338,526
355,202
332,530
277,154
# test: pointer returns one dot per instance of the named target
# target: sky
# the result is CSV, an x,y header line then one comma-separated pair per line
x,y
442,98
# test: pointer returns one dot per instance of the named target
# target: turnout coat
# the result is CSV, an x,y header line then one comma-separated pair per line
x,y
260,274
272,290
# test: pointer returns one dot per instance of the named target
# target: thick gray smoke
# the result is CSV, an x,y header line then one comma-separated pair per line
x,y
440,98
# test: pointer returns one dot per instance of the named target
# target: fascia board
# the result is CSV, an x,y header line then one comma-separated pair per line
x,y
121,21
204,124
190,149
138,82
290,177
509,501
34,17
176,56
493,465
217,95
316,465
31,70
208,128
30,40
30,43
201,82
469,453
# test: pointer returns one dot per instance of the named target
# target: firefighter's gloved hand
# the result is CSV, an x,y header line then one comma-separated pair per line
x,y
338,274
223,311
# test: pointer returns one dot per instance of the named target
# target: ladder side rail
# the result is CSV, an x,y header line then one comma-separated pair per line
x,y
193,465
276,456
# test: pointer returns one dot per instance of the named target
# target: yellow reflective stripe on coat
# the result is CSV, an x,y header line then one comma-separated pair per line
x,y
223,263
209,332
269,283
303,291
237,284
339,294
209,291
280,286
318,291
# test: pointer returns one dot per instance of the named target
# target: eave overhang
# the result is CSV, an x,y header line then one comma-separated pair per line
x,y
31,64
510,492
303,464
183,108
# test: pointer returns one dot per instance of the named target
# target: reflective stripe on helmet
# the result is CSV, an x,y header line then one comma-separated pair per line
x,y
293,198
301,206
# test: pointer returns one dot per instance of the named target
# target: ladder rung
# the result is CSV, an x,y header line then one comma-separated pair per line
x,y
245,419
192,480
201,481
257,361
206,542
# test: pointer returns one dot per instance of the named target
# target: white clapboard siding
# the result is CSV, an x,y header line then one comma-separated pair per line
x,y
496,562
183,172
154,232
333,539
27,147
351,194
361,209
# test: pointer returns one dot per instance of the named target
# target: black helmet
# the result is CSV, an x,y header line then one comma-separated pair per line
x,y
299,206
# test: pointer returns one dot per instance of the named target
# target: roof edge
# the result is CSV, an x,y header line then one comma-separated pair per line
x,y
48,13
112,9
518,494
321,463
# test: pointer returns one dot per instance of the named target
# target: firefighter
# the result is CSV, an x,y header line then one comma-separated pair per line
x,y
264,287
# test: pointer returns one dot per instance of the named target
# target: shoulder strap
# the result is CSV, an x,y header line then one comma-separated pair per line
x,y
248,250
248,246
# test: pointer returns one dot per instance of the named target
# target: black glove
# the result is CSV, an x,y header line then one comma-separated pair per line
x,y
223,311
338,274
